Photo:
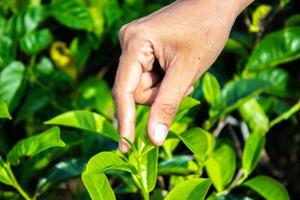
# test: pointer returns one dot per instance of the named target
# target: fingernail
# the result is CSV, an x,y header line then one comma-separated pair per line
x,y
160,133
123,146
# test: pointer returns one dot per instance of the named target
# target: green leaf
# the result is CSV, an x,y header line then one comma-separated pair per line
x,y
4,173
236,93
236,47
195,188
186,104
35,144
276,48
36,41
96,9
98,94
254,116
221,166
4,113
211,89
26,21
35,102
148,169
252,152
62,171
200,142
258,15
279,79
181,165
7,50
71,13
44,67
94,178
268,188
293,20
286,115
86,120
11,82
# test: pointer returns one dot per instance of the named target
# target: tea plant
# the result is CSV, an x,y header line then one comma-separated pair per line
x,y
58,133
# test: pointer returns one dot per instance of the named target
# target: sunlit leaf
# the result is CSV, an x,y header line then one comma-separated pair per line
x,y
221,166
258,15
276,48
254,116
86,120
35,144
4,113
148,169
4,173
236,93
252,152
211,89
94,178
200,142
190,189
186,104
268,188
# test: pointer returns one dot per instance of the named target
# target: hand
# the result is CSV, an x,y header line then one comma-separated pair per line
x,y
185,37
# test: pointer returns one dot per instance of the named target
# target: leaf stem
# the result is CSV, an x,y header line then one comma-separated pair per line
x,y
16,185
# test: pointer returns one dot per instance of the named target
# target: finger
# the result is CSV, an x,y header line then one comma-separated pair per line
x,y
147,89
127,80
174,87
190,91
146,97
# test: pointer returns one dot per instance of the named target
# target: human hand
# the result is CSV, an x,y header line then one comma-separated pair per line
x,y
185,37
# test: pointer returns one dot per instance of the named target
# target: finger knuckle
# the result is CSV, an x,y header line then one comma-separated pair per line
x,y
116,92
168,109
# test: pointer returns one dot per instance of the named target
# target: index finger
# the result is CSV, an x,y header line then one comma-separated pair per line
x,y
128,77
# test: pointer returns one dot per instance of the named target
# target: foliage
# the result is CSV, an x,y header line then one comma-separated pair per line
x,y
57,63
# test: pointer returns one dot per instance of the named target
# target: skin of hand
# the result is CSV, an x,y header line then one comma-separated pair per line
x,y
185,38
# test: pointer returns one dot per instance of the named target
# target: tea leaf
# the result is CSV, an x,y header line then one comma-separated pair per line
x,y
4,174
72,14
36,41
276,48
268,188
221,166
252,152
200,142
254,115
11,83
35,144
94,178
148,169
286,114
195,188
4,113
86,120
178,165
211,89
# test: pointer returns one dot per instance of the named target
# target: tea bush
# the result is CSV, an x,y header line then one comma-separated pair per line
x,y
235,137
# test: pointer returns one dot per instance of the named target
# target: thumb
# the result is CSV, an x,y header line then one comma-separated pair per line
x,y
173,88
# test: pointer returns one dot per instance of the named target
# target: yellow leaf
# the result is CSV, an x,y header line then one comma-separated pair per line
x,y
62,58
260,13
